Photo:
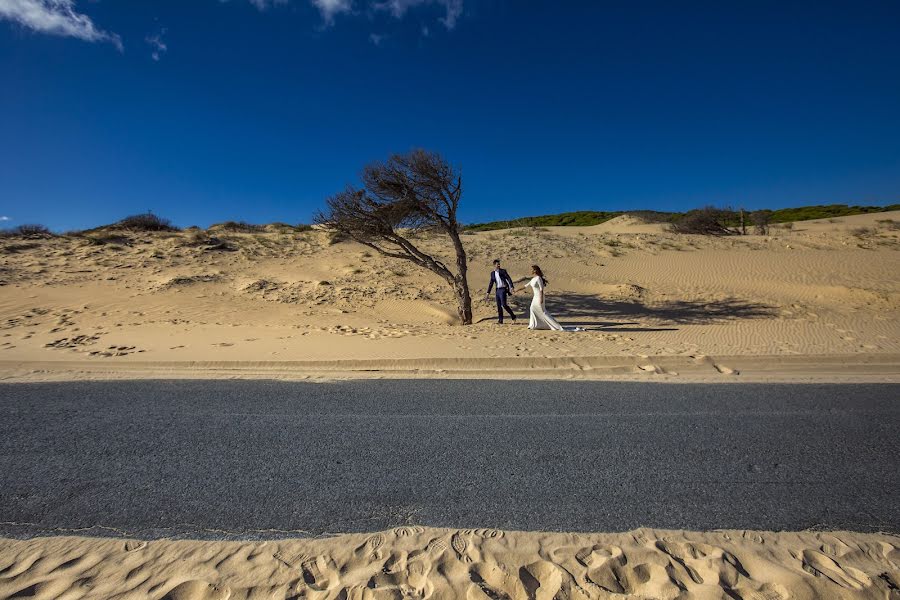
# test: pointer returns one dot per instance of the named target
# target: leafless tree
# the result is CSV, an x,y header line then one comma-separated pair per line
x,y
707,221
405,195
760,220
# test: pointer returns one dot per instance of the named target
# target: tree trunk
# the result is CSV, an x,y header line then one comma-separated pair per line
x,y
463,300
461,281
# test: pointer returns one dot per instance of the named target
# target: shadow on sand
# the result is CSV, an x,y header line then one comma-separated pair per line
x,y
573,309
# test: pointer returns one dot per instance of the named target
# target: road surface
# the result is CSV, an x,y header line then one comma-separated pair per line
x,y
254,459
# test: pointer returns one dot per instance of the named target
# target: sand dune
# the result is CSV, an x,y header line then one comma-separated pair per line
x,y
116,298
477,564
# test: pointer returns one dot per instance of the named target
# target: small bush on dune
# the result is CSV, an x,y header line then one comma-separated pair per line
x,y
707,221
146,222
29,230
760,220
241,227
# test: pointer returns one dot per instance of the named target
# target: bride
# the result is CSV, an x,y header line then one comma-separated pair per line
x,y
539,319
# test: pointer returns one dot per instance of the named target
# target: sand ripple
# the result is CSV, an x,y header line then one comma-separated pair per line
x,y
476,564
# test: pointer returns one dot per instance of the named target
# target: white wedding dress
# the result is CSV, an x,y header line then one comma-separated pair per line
x,y
539,319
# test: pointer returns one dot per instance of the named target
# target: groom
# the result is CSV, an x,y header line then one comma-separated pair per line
x,y
504,283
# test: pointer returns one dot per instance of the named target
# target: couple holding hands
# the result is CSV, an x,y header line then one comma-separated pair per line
x,y
538,317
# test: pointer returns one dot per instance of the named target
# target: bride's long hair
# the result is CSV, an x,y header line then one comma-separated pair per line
x,y
537,271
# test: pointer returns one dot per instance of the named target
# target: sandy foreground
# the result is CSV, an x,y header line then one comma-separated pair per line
x,y
414,562
820,300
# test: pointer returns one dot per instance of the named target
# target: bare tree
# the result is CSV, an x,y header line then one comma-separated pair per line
x,y
760,220
406,195
707,221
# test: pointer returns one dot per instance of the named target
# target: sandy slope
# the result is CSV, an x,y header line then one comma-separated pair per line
x,y
480,564
823,288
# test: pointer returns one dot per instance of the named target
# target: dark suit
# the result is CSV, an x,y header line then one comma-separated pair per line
x,y
502,291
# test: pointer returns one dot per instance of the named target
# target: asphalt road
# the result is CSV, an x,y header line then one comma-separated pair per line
x,y
249,459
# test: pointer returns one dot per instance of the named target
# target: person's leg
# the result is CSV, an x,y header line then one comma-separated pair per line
x,y
506,306
501,300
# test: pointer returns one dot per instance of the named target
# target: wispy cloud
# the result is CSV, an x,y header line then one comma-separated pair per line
x,y
452,9
5,218
158,46
329,8
56,17
376,38
264,4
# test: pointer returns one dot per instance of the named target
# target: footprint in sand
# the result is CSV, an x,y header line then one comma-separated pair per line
x,y
372,547
460,545
198,590
491,581
417,578
433,550
488,533
289,560
605,568
705,564
542,580
318,573
134,545
396,563
821,565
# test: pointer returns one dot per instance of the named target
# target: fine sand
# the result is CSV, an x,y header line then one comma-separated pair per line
x,y
479,564
819,299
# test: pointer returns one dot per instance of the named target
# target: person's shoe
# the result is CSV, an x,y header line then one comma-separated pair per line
x,y
513,318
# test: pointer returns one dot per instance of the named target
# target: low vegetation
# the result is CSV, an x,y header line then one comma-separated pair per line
x,y
724,221
239,227
708,221
27,231
759,219
145,222
808,213
580,218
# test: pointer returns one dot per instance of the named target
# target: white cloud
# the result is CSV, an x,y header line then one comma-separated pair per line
x,y
329,8
4,218
376,38
158,46
264,4
56,17
453,8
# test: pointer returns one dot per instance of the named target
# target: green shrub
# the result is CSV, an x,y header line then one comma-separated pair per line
x,y
580,218
146,222
241,227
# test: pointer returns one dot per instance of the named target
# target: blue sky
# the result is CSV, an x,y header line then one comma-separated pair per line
x,y
210,110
